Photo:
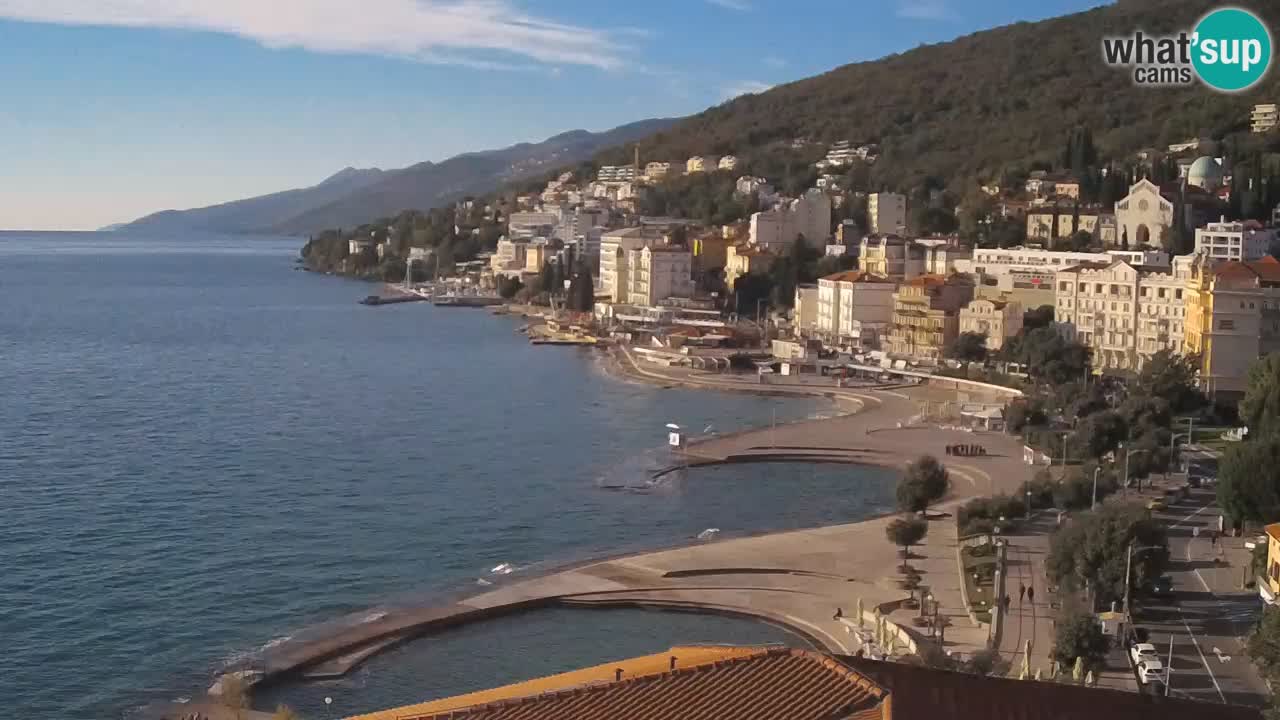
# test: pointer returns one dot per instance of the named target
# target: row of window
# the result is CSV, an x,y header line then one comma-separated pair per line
x,y
1122,290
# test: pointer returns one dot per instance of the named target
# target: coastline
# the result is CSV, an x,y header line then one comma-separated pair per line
x,y
606,580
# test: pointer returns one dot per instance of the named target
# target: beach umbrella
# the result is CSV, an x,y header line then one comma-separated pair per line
x,y
1077,672
859,613
1022,674
1089,679
1038,676
1026,659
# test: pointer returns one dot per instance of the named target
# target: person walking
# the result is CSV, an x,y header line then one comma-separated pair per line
x,y
1022,593
1031,594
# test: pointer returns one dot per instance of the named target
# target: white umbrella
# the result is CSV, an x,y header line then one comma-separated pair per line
x,y
1089,679
1026,660
1038,675
1077,672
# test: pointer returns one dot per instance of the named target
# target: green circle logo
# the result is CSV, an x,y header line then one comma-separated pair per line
x,y
1231,49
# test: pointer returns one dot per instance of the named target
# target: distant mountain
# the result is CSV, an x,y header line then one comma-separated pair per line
x,y
353,196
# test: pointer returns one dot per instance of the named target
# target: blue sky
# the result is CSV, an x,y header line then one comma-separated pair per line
x,y
111,109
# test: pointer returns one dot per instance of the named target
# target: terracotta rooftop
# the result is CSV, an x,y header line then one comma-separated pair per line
x,y
1267,269
758,683
920,693
1273,530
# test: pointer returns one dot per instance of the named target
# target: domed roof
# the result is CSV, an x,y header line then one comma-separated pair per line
x,y
1205,173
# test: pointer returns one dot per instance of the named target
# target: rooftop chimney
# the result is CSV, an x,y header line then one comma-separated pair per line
x,y
673,662
617,674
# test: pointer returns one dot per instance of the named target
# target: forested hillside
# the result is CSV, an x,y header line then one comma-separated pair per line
x,y
974,107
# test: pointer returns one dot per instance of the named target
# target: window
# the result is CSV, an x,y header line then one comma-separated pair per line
x,y
1064,286
1178,294
1081,288
1160,293
1226,324
1142,292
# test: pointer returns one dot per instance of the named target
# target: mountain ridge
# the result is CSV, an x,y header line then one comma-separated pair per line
x,y
352,196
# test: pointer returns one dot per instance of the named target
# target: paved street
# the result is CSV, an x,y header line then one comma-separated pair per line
x,y
1209,615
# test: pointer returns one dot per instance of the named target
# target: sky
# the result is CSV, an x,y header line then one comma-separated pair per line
x,y
113,109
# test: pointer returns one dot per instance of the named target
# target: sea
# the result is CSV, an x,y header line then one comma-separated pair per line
x,y
205,451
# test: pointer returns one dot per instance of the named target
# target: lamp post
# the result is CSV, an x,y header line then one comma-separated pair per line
x,y
1094,504
1128,566
1127,452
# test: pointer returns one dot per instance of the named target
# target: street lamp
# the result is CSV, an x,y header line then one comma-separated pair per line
x,y
1128,564
1127,452
1094,504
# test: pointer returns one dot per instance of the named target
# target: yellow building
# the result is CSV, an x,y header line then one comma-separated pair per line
x,y
1269,586
1232,319
926,315
744,259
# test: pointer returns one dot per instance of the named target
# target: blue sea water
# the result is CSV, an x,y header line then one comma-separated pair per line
x,y
202,450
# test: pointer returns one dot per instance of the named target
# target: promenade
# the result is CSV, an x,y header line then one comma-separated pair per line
x,y
796,579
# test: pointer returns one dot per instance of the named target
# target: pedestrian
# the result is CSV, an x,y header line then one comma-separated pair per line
x,y
1031,594
1007,602
1022,593
1213,538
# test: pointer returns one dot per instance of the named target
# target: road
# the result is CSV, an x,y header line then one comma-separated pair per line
x,y
1208,615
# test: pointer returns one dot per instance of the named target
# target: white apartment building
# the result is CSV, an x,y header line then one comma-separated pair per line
x,y
1125,313
854,307
996,262
998,319
728,162
529,225
809,215
1264,117
615,250
887,213
659,272
616,173
1240,241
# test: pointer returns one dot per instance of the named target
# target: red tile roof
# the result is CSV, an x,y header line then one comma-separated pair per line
x,y
772,683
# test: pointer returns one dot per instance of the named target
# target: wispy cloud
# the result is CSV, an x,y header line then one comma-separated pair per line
x,y
739,5
925,10
743,88
491,34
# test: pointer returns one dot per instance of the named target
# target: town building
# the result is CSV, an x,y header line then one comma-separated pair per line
x,y
1232,319
804,315
1224,240
615,254
658,272
529,225
657,171
710,251
1206,173
887,213
1143,216
1039,184
616,173
744,259
701,163
854,308
509,257
748,185
1263,118
808,216
1067,220
998,319
718,682
926,316
1124,313
900,259
728,162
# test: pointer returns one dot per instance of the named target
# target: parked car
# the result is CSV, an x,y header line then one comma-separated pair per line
x,y
1151,671
1156,505
1162,587
1143,652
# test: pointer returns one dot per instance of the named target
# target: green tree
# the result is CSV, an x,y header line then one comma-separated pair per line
x,y
1248,485
1037,317
925,481
1099,434
1260,408
1093,549
905,532
1171,377
1077,634
508,287
1264,644
968,347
